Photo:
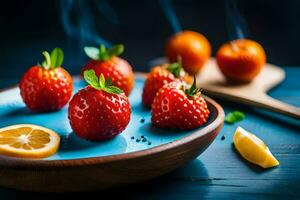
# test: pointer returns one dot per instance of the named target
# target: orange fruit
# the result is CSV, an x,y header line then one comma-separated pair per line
x,y
241,60
28,141
193,48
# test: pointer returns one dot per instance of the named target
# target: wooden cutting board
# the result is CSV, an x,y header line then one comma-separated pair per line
x,y
254,93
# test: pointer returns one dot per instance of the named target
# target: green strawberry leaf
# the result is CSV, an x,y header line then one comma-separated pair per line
x,y
175,68
57,58
113,90
100,83
234,117
108,82
92,52
91,78
115,50
47,62
53,60
102,53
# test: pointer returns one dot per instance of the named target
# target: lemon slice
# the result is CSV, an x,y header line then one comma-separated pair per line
x,y
28,141
253,149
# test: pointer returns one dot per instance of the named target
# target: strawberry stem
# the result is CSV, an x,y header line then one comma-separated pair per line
x,y
193,90
102,52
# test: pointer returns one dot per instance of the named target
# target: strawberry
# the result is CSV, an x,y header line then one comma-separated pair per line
x,y
100,110
175,107
105,61
47,87
161,75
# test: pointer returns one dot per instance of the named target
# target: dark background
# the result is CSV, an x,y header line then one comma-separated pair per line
x,y
31,26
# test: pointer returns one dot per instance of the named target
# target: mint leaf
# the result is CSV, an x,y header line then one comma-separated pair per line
x,y
57,57
113,90
91,78
102,81
234,117
108,82
92,52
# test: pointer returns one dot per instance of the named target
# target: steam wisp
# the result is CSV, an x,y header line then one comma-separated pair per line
x,y
170,14
79,23
236,25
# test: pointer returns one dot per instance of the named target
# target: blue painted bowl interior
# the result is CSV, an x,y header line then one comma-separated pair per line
x,y
13,111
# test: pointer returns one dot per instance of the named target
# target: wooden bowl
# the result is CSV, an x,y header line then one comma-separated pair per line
x,y
80,165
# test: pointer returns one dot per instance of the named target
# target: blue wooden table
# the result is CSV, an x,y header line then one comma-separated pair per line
x,y
220,172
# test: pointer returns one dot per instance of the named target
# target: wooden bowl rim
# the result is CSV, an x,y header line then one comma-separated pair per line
x,y
6,161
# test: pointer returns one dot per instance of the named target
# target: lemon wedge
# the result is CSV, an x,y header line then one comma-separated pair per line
x,y
28,141
253,149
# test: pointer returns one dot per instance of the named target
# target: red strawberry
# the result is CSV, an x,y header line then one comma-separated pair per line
x,y
159,76
100,110
175,107
47,87
105,61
